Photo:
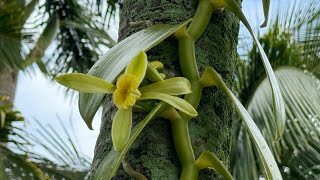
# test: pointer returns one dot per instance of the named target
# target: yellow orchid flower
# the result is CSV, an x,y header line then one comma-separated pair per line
x,y
126,92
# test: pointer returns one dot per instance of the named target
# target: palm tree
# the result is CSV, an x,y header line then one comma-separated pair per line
x,y
78,30
76,34
292,43
18,161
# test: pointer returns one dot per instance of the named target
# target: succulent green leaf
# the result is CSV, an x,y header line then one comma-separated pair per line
x,y
269,163
176,102
208,159
172,86
85,83
266,7
138,66
121,128
278,103
117,58
110,164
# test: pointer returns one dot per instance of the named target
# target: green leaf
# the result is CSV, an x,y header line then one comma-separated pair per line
x,y
176,102
138,66
117,58
266,7
121,128
278,103
269,163
172,86
208,159
110,164
85,83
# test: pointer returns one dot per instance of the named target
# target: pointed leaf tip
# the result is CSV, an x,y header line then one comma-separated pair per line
x,y
266,7
278,103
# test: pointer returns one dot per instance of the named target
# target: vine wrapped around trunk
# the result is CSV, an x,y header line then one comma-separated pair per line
x,y
153,154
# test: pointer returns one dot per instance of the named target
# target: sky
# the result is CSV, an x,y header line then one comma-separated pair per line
x,y
43,99
39,98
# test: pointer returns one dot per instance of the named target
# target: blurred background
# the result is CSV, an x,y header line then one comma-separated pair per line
x,y
42,133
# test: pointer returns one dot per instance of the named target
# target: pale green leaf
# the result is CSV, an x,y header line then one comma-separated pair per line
x,y
117,58
176,102
172,86
138,66
110,164
269,163
121,128
278,103
208,159
85,83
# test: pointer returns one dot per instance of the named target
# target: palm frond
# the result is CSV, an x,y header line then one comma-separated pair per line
x,y
82,37
302,20
292,39
281,50
27,32
298,151
13,15
17,156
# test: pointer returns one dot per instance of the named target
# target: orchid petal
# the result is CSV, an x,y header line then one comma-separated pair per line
x,y
121,128
138,66
176,102
172,86
85,83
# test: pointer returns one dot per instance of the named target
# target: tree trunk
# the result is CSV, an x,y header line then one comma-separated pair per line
x,y
153,153
8,82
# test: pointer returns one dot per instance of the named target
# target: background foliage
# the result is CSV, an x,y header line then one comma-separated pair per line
x,y
292,45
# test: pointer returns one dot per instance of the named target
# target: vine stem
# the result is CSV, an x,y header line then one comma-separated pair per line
x,y
181,138
179,121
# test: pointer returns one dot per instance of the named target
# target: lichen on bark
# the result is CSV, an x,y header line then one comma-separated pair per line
x,y
153,152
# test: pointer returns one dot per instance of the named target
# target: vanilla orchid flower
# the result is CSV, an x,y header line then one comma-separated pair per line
x,y
126,92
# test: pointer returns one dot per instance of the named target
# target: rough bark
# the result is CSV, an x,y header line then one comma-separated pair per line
x,y
8,82
153,153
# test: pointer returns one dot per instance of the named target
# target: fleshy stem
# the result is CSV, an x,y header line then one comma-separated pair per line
x,y
179,121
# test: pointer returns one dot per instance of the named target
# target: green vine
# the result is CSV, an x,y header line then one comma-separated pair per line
x,y
127,91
